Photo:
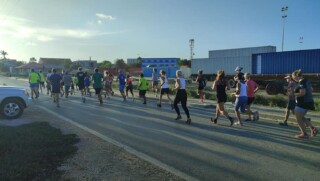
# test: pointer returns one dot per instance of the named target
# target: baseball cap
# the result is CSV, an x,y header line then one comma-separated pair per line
x,y
238,69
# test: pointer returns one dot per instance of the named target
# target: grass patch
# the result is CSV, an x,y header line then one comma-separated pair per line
x,y
34,151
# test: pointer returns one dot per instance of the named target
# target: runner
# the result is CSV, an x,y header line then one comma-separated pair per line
x,y
155,81
202,82
87,83
252,88
181,96
34,83
304,100
164,88
67,79
76,82
80,77
241,97
220,85
72,87
129,87
111,80
143,87
48,83
97,78
107,84
42,80
291,99
55,80
62,84
122,82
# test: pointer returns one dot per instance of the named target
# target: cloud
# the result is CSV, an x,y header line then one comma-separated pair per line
x,y
24,29
105,17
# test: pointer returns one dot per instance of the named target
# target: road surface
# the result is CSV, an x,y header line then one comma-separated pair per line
x,y
201,151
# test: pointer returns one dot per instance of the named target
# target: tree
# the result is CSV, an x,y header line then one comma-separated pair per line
x,y
184,62
120,64
3,53
67,64
105,64
32,60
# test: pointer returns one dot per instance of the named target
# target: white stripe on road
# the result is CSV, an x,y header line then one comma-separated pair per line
x,y
127,148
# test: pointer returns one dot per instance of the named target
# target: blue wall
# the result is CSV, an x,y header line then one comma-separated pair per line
x,y
286,62
170,71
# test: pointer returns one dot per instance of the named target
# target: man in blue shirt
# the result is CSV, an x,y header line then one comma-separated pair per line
x,y
122,82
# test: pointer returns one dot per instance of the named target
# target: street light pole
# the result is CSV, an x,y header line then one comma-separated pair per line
x,y
301,41
283,10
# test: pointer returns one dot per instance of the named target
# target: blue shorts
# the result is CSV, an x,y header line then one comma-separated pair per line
x,y
121,88
241,102
300,109
34,85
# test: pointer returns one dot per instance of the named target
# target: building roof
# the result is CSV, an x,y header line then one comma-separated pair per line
x,y
54,61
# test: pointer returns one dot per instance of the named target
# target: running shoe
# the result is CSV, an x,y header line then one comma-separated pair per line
x,y
215,120
178,117
188,121
238,123
302,136
231,121
256,116
284,123
314,132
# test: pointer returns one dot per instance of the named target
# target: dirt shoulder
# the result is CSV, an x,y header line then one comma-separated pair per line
x,y
97,159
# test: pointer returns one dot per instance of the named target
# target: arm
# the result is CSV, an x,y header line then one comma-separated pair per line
x,y
214,85
257,87
238,89
177,85
162,80
228,85
301,93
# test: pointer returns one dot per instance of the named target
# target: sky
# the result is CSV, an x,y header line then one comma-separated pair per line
x,y
121,29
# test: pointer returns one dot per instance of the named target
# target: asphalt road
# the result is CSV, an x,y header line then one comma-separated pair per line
x,y
201,151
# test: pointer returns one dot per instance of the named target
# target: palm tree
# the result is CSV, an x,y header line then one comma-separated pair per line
x,y
3,53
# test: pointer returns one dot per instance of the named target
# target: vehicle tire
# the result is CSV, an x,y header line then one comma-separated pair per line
x,y
232,83
11,108
272,89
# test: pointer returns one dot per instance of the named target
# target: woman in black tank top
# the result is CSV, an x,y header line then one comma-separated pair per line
x,y
220,85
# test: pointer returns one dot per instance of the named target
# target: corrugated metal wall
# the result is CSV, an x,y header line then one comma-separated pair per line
x,y
286,62
228,64
240,52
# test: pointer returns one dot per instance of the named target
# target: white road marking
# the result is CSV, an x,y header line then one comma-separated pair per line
x,y
125,147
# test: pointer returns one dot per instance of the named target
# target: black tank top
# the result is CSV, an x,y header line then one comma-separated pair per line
x,y
221,88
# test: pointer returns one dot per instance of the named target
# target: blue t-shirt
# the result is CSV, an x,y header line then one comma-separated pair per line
x,y
87,81
122,79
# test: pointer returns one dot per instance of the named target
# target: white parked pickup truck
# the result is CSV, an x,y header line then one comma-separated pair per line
x,y
13,100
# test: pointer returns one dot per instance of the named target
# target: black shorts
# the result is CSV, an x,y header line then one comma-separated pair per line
x,y
222,98
291,104
155,83
98,90
142,93
164,91
250,100
200,87
81,86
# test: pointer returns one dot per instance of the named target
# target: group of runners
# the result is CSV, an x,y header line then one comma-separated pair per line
x,y
299,92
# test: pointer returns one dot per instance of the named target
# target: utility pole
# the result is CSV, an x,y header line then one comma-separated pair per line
x,y
301,41
283,10
191,44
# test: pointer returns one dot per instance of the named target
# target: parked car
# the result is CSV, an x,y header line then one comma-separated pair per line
x,y
13,101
